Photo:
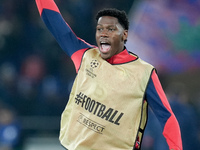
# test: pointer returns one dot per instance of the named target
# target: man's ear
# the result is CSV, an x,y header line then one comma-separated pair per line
x,y
125,35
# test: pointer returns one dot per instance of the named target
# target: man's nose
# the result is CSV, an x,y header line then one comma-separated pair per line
x,y
104,33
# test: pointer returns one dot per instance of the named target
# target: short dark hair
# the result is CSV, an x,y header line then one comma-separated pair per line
x,y
120,15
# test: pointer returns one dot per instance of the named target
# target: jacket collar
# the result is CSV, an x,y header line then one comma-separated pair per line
x,y
122,57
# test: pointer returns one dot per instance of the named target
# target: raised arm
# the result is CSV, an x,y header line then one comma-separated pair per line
x,y
68,41
157,100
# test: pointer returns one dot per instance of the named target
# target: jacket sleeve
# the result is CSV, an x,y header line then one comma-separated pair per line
x,y
158,102
68,41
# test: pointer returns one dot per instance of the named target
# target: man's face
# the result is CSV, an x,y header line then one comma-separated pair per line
x,y
110,36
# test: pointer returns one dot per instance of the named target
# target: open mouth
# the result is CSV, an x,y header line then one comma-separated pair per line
x,y
105,47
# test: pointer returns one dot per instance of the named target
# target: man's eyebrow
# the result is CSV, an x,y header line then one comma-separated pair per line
x,y
108,25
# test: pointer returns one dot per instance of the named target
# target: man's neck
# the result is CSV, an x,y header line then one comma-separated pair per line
x,y
122,57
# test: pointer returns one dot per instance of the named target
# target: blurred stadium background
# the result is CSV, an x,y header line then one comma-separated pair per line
x,y
36,75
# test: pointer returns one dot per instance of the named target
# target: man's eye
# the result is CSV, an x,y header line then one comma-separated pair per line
x,y
111,29
99,29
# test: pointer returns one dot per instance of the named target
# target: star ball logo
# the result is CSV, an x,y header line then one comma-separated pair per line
x,y
94,64
89,71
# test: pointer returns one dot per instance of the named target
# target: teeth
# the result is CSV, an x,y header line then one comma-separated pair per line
x,y
104,43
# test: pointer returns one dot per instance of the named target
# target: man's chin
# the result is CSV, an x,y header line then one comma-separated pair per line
x,y
105,55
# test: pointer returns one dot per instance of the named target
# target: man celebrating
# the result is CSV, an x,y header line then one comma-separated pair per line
x,y
107,107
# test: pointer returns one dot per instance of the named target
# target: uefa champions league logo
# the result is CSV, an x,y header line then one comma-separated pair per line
x,y
94,63
89,71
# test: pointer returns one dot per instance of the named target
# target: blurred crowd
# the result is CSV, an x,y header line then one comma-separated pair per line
x,y
35,74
